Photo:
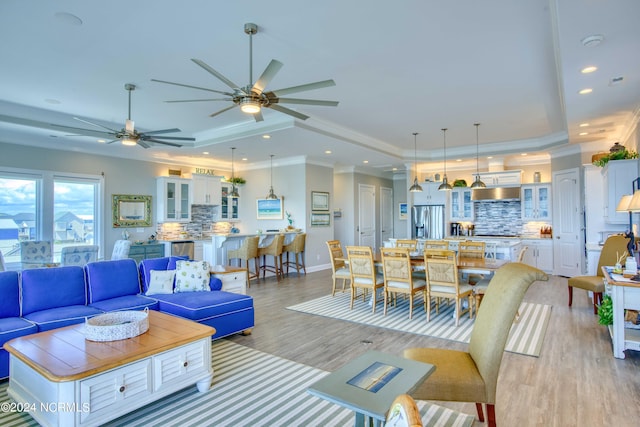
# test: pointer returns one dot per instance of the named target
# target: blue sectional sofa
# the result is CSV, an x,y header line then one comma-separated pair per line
x,y
46,298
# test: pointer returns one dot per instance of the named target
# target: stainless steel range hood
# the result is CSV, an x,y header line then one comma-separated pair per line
x,y
496,194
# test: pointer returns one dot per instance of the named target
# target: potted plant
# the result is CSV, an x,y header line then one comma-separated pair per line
x,y
236,180
623,154
605,311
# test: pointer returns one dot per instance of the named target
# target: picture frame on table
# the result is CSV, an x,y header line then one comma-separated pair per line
x,y
319,201
402,211
320,219
270,208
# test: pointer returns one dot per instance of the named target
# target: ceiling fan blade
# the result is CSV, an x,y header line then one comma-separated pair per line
x,y
258,116
222,78
143,144
306,102
192,87
112,141
153,132
94,124
288,111
222,111
173,138
157,141
86,132
302,88
268,74
202,100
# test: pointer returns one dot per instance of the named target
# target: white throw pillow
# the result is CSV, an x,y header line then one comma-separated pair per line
x,y
192,276
161,282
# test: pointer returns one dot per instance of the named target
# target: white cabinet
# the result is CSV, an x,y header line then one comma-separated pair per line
x,y
536,202
618,176
174,199
198,250
233,279
206,190
176,366
430,195
503,178
539,254
461,204
228,204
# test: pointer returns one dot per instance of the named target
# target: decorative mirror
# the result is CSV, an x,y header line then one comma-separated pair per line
x,y
130,210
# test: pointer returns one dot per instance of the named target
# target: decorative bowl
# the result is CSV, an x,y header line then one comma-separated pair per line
x,y
118,325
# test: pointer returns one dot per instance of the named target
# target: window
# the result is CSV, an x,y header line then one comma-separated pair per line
x,y
35,205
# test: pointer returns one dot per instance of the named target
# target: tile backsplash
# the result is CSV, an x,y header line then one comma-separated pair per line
x,y
203,220
498,217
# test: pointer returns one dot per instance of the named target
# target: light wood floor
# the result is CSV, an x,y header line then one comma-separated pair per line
x,y
576,381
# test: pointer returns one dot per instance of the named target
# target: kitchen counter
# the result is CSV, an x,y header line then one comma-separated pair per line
x,y
215,252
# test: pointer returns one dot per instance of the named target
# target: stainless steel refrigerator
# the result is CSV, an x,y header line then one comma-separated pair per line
x,y
427,222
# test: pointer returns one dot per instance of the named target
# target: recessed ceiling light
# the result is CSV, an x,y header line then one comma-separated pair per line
x,y
266,136
589,69
585,91
205,152
365,161
102,141
583,133
327,152
394,169
584,125
523,154
458,160
489,157
245,159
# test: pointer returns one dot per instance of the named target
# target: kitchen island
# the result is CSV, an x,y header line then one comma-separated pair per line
x,y
216,252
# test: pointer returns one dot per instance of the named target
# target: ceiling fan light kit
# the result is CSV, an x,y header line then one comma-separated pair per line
x,y
253,97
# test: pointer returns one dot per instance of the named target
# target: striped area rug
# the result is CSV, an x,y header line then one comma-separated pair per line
x,y
250,388
526,336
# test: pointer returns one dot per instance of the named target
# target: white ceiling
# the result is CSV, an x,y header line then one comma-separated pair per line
x,y
399,67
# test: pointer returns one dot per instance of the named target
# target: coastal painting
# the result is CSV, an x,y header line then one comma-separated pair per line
x,y
270,208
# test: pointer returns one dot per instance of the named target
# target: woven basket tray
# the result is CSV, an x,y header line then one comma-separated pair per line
x,y
118,325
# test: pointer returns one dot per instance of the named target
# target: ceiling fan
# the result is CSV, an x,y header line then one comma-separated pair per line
x,y
128,135
252,98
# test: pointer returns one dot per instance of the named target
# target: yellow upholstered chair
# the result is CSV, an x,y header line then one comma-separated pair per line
x,y
472,376
339,269
274,249
296,247
398,277
363,273
614,246
443,281
247,251
404,412
411,244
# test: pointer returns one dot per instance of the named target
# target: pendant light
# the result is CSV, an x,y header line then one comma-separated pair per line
x,y
445,186
271,195
234,190
415,188
477,183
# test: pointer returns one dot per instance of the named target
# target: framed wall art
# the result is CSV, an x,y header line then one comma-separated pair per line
x,y
319,201
402,211
270,208
320,219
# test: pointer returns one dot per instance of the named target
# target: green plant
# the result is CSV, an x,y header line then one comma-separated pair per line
x,y
605,311
616,155
459,183
236,180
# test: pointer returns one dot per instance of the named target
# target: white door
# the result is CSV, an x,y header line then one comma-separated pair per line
x,y
367,215
567,253
386,214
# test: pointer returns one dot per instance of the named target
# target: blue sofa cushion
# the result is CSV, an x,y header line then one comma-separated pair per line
x,y
46,288
200,306
13,327
61,316
127,302
112,279
10,292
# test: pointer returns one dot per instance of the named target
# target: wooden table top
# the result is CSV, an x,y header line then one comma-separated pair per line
x,y
64,354
488,264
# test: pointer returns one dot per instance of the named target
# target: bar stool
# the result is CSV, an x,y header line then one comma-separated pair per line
x,y
296,247
275,250
248,250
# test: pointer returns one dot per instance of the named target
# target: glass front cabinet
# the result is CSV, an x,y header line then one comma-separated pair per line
x,y
228,205
536,202
461,204
174,199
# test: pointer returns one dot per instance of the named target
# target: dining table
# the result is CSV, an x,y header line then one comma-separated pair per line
x,y
465,264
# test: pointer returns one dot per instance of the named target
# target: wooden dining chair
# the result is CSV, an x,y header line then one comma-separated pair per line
x,y
363,274
398,277
339,269
436,244
470,249
411,244
443,281
404,412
